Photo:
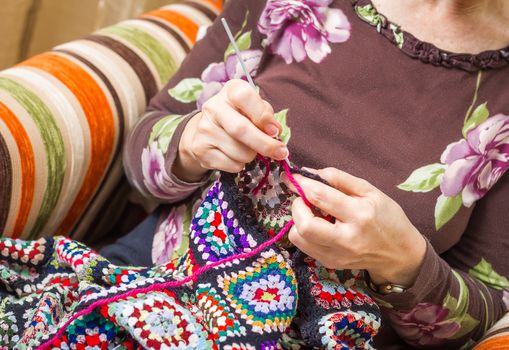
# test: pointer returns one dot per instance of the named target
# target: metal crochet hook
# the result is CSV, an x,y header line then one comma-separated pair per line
x,y
241,61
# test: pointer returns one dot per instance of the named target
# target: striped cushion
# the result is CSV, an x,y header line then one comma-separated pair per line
x,y
497,337
64,114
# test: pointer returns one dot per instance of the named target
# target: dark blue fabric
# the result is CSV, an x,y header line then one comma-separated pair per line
x,y
135,248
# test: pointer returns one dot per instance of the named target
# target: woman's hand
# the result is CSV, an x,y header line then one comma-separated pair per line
x,y
232,128
371,231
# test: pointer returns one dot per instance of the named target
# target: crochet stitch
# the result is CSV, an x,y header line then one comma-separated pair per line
x,y
235,288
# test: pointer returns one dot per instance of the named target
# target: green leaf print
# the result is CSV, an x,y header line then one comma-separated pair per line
x,y
163,130
424,179
243,42
286,132
445,209
398,35
369,14
188,90
484,272
479,115
458,309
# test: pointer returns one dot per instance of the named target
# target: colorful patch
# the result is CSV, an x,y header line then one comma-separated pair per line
x,y
272,201
218,316
264,294
336,288
216,231
23,251
347,330
157,321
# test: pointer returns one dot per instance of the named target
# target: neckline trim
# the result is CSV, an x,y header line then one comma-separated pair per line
x,y
427,52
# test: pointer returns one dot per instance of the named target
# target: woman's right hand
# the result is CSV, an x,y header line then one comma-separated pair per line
x,y
233,127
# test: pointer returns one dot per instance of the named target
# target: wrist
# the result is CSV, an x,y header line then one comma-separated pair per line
x,y
404,266
186,166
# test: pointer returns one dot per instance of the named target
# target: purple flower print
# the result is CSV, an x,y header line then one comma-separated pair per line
x,y
476,163
217,74
309,26
155,175
426,324
169,236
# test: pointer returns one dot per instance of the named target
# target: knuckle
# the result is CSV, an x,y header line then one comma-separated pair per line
x,y
269,110
239,94
209,107
293,236
316,196
198,151
239,129
203,127
306,228
367,214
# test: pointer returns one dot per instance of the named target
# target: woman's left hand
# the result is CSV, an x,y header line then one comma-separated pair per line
x,y
371,231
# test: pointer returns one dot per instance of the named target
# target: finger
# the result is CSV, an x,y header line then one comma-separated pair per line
x,y
345,182
245,99
309,248
245,131
327,198
215,159
232,148
311,227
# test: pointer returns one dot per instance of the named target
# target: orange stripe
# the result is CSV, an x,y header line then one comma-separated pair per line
x,y
218,4
497,343
188,27
26,154
100,121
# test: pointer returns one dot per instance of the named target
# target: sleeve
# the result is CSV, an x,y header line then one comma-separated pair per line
x,y
458,296
152,145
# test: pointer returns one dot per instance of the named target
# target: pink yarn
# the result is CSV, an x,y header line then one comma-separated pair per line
x,y
191,278
263,181
294,182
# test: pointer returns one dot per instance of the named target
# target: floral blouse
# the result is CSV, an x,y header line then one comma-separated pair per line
x,y
428,127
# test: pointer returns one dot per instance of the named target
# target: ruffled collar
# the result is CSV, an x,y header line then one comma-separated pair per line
x,y
427,52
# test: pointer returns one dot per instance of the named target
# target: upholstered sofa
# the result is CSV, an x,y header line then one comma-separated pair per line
x,y
65,113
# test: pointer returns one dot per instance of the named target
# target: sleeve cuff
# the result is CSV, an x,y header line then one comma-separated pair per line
x,y
431,279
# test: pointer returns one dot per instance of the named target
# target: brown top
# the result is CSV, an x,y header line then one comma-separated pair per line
x,y
379,109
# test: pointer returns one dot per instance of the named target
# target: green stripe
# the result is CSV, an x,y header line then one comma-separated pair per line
x,y
53,144
151,47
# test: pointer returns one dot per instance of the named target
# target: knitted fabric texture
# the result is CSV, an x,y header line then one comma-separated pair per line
x,y
239,286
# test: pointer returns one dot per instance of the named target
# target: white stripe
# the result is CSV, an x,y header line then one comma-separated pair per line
x,y
193,14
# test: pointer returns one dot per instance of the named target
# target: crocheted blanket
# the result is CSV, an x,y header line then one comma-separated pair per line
x,y
237,287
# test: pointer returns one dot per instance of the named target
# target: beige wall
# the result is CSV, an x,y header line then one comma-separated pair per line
x,y
29,27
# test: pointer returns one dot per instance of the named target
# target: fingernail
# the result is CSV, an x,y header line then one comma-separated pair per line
x,y
271,130
281,153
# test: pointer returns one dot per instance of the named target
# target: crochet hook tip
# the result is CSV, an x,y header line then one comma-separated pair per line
x,y
237,52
